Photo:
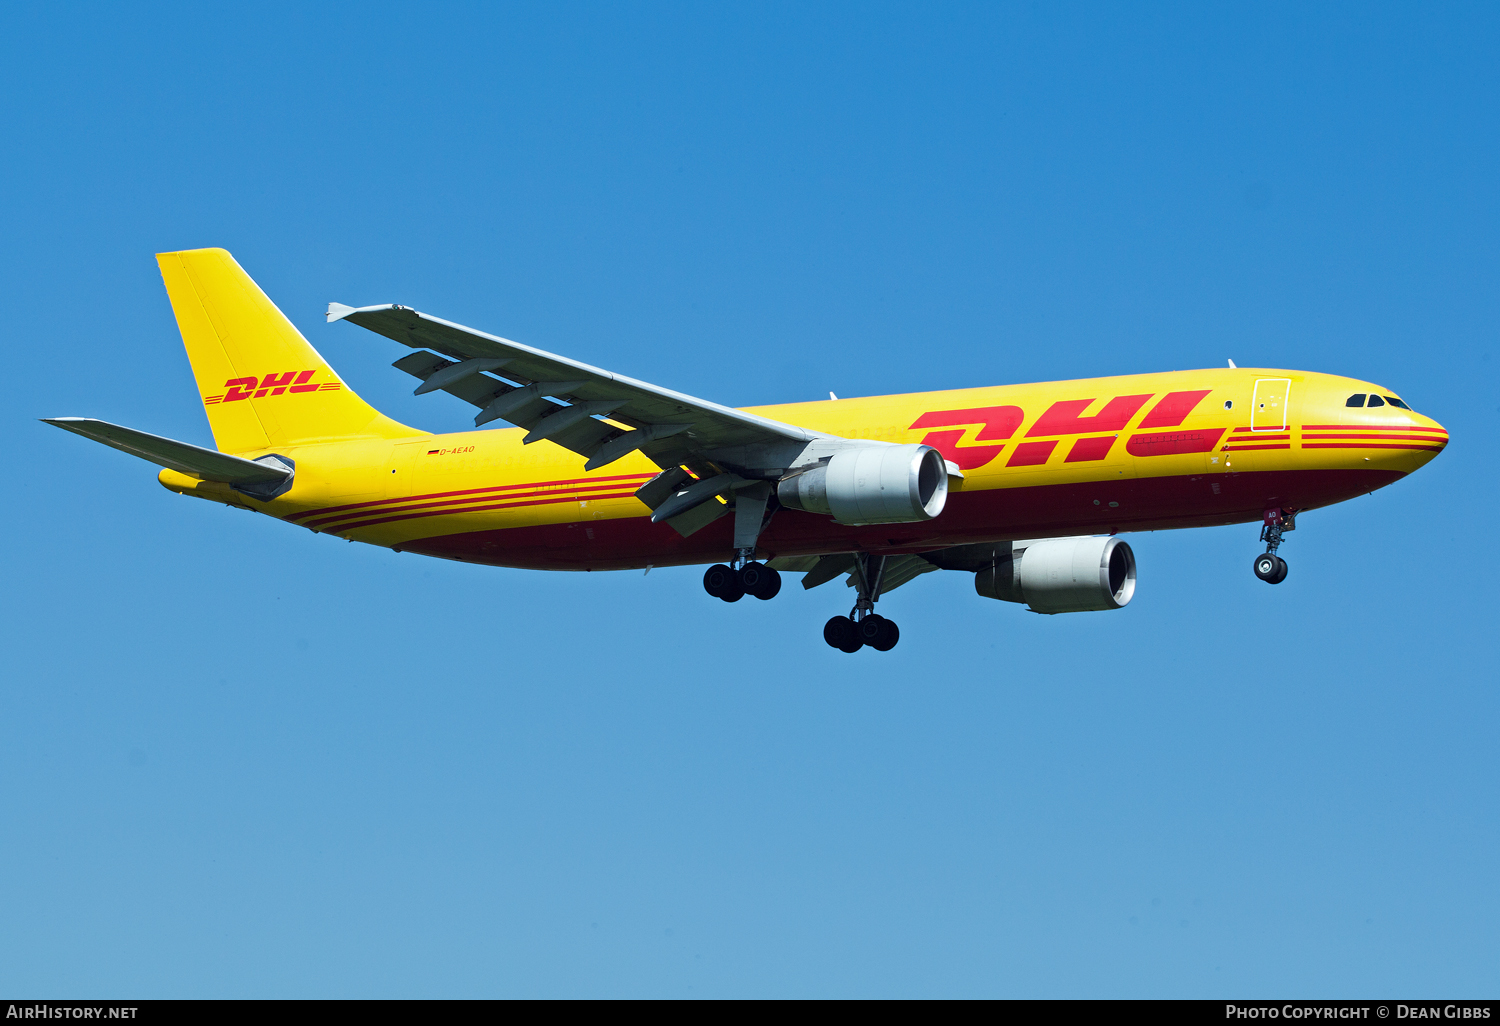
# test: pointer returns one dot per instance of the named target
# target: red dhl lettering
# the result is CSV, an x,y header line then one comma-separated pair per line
x,y
272,384
1031,454
240,388
1173,409
997,425
1086,450
1065,418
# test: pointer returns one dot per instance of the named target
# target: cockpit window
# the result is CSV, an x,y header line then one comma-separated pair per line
x,y
1355,400
1396,403
1375,400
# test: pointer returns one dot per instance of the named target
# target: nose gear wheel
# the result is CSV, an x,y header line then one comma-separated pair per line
x,y
1268,566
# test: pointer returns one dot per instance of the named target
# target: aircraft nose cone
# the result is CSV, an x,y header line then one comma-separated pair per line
x,y
1431,426
1430,434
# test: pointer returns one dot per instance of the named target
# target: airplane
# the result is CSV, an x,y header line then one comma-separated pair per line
x,y
1026,487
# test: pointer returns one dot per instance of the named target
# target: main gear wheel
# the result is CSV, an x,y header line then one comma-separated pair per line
x,y
722,582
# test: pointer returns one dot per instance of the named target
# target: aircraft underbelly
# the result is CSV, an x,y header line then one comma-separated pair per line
x,y
1039,511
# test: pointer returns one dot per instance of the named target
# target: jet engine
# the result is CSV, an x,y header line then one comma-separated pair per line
x,y
1062,575
874,484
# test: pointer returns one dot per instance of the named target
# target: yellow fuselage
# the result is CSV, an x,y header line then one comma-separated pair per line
x,y
1092,456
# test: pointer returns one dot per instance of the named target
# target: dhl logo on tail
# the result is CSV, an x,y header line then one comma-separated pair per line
x,y
292,382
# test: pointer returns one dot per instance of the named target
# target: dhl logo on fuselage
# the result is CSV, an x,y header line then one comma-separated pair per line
x,y
998,425
290,382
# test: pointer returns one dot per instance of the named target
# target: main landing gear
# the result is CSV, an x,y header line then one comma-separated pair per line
x,y
750,578
863,626
1270,567
745,576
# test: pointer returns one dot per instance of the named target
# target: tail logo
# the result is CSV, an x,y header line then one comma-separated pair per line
x,y
291,382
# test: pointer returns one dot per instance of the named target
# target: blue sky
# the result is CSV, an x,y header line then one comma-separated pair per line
x,y
243,760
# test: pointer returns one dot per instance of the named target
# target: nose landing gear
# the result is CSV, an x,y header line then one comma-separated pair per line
x,y
1270,567
863,626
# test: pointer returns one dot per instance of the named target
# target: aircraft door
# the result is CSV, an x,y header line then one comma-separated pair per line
x,y
1268,409
398,469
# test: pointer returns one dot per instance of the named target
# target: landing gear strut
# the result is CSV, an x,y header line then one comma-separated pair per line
x,y
863,626
745,576
1270,567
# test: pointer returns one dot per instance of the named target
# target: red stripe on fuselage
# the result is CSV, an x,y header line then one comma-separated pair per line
x,y
468,491
394,507
1369,427
1387,437
402,515
1368,445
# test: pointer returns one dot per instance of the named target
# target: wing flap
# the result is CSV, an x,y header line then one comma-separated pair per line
x,y
898,570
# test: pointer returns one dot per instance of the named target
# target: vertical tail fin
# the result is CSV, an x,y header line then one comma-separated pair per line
x,y
263,385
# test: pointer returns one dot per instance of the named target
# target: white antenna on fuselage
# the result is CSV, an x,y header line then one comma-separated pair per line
x,y
1232,366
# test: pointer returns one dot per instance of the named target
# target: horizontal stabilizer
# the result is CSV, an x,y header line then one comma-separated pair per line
x,y
206,464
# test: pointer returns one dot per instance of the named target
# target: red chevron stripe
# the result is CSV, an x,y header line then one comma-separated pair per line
x,y
1367,445
1242,448
597,481
1369,427
474,509
1358,434
396,505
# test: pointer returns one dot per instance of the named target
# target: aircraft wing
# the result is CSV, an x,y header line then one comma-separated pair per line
x,y
668,427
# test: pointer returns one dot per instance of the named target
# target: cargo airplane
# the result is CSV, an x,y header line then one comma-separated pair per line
x,y
1026,487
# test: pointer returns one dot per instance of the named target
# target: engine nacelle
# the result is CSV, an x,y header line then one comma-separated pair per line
x,y
1063,575
875,484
